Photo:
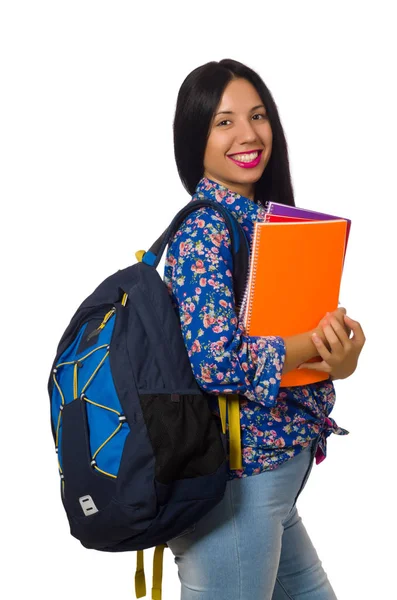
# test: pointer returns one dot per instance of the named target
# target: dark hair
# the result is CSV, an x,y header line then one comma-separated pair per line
x,y
198,97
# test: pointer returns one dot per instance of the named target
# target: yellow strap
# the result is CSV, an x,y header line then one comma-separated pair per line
x,y
157,571
75,392
222,411
233,409
139,255
235,458
140,582
124,299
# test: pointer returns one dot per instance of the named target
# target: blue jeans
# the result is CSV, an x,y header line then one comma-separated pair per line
x,y
253,544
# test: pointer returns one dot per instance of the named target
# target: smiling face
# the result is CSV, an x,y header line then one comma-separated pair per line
x,y
241,128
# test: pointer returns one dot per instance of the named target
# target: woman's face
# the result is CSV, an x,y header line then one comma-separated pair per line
x,y
245,129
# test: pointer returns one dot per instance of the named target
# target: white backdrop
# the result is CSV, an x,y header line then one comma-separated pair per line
x,y
88,177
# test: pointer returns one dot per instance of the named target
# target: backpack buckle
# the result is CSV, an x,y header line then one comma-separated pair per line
x,y
88,505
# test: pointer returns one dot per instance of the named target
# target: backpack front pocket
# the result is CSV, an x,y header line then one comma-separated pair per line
x,y
88,421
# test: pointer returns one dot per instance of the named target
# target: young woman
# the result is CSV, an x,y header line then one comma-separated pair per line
x,y
230,147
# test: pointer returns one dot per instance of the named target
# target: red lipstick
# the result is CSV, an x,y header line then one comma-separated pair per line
x,y
249,165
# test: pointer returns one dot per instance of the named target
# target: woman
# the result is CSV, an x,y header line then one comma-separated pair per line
x,y
230,147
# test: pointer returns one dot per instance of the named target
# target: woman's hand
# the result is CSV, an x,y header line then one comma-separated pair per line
x,y
339,314
341,360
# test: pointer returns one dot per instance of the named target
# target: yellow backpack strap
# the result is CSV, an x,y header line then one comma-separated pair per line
x,y
139,255
157,571
140,582
124,299
222,411
233,409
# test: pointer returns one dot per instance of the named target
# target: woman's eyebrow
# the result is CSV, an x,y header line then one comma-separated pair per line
x,y
230,112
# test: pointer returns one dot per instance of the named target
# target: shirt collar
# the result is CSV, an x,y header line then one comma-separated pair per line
x,y
243,209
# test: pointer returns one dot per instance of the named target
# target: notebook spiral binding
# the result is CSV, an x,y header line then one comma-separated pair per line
x,y
252,270
269,210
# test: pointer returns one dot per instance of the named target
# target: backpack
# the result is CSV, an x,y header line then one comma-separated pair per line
x,y
140,455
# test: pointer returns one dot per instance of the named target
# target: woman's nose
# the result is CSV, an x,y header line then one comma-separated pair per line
x,y
245,132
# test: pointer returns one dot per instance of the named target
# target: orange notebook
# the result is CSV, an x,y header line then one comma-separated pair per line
x,y
272,217
294,279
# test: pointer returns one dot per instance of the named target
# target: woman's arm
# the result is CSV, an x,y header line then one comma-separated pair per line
x,y
198,273
300,348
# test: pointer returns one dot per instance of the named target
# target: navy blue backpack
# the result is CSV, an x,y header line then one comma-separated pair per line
x,y
141,457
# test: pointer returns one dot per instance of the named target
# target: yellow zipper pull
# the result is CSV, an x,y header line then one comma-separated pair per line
x,y
102,325
107,317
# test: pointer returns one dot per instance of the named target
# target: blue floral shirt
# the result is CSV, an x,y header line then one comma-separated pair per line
x,y
276,422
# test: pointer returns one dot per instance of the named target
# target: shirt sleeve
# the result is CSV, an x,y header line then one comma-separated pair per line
x,y
198,275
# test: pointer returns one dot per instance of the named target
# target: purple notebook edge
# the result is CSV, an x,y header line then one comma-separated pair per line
x,y
293,211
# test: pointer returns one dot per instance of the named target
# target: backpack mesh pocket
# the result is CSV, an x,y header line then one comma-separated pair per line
x,y
185,436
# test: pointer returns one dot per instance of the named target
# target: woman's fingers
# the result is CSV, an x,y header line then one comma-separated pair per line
x,y
340,342
330,331
358,333
340,332
321,347
324,354
316,366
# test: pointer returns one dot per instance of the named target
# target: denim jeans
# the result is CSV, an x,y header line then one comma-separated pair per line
x,y
253,544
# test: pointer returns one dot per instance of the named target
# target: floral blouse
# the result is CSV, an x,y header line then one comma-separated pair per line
x,y
276,422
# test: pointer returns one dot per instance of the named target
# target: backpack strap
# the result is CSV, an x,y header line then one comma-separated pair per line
x,y
157,571
241,253
233,411
230,403
140,582
240,245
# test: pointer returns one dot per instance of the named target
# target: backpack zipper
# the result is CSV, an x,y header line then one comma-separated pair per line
x,y
106,318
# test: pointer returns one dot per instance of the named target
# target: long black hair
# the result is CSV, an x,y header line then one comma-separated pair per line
x,y
198,97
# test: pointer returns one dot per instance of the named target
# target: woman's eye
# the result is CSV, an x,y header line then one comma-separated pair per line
x,y
255,115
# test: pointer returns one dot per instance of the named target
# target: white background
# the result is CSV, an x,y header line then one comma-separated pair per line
x,y
88,177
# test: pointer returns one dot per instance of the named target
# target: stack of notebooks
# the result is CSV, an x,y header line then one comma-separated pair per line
x,y
296,265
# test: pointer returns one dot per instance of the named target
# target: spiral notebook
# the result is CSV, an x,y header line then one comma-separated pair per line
x,y
294,279
277,212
